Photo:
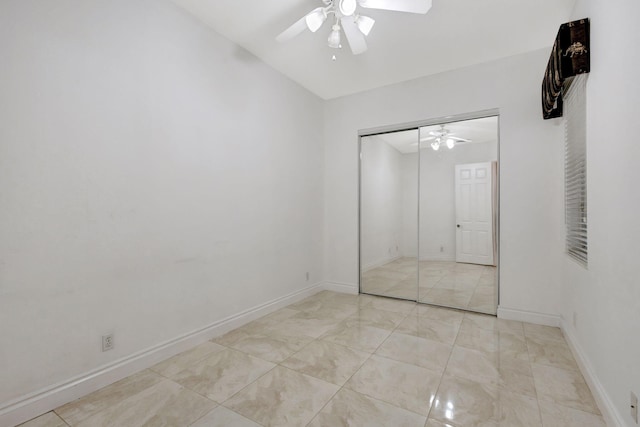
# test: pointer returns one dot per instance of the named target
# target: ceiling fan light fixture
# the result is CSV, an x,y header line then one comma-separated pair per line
x,y
435,145
450,143
315,19
355,27
347,7
334,37
365,24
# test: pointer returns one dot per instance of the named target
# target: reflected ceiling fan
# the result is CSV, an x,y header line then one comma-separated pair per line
x,y
443,136
345,16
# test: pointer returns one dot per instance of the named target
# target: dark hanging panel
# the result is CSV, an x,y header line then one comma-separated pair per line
x,y
570,56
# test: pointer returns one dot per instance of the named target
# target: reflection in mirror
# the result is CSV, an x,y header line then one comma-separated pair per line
x,y
389,215
458,215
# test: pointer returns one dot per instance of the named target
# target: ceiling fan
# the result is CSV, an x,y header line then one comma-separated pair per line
x,y
347,18
443,136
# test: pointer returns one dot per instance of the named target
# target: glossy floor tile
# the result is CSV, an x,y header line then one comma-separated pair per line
x,y
283,397
222,374
76,412
564,387
348,409
182,361
418,351
401,384
165,403
50,419
464,402
223,417
353,333
333,363
355,360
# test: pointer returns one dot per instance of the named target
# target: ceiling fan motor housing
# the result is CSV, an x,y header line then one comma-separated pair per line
x,y
347,7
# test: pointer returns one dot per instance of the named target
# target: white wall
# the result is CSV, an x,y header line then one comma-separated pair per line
x,y
606,297
438,195
531,154
154,178
381,199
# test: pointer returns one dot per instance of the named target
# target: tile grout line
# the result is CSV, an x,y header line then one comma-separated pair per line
x,y
244,388
60,416
445,368
357,370
374,354
535,386
342,386
381,344
261,376
279,364
222,404
218,404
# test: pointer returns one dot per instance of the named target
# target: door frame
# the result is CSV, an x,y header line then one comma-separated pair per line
x,y
494,112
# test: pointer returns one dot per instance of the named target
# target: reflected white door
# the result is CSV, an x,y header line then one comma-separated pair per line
x,y
474,213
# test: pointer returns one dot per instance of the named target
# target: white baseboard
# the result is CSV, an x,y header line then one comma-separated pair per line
x,y
37,403
609,412
438,257
345,288
529,316
379,263
611,416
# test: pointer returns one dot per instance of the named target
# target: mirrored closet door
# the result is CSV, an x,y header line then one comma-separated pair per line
x,y
389,214
458,214
429,214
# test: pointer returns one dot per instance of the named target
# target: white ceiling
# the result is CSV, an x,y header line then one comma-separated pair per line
x,y
402,46
477,130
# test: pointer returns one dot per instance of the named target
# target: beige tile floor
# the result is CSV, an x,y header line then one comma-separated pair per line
x,y
449,284
354,360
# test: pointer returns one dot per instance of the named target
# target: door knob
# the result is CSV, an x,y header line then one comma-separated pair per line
x,y
458,225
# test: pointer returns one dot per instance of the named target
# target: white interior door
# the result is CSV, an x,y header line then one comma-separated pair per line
x,y
474,213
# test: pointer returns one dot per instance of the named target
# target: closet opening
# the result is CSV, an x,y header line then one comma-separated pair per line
x,y
429,212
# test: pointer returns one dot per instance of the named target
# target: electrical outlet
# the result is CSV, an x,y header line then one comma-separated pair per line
x,y
634,407
107,342
307,276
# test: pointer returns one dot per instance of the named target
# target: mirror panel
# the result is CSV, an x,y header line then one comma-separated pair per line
x,y
458,215
389,214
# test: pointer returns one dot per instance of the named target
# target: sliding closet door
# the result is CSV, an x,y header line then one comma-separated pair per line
x,y
389,214
458,215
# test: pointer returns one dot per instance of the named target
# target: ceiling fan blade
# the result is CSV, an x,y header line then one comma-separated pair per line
x,y
293,30
460,139
312,20
411,6
355,38
428,139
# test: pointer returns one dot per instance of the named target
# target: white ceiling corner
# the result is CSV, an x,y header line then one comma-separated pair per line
x,y
402,46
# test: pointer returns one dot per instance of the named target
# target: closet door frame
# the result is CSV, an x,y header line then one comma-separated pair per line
x,y
495,112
